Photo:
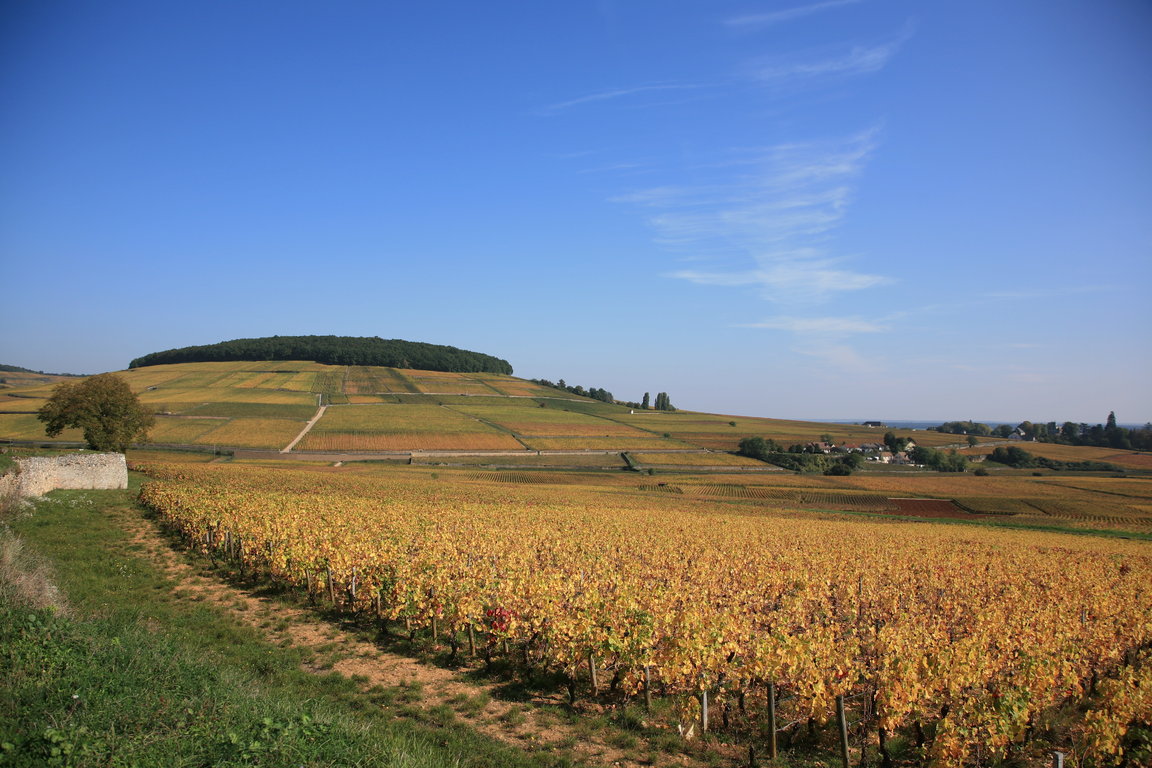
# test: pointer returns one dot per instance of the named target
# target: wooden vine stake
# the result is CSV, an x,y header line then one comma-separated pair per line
x,y
771,721
471,641
647,688
842,720
704,712
592,673
331,585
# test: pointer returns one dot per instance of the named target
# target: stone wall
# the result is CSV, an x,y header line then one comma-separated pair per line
x,y
39,474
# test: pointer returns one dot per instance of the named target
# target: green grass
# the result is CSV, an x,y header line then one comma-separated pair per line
x,y
134,676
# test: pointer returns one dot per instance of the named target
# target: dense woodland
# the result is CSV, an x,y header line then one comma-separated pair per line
x,y
335,350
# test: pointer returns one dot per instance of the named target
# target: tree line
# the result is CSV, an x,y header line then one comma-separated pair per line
x,y
662,403
1013,456
335,350
1107,435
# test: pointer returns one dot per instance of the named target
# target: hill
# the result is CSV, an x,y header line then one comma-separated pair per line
x,y
307,410
334,350
266,405
15,377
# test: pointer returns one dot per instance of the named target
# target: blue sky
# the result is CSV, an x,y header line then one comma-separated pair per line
x,y
829,209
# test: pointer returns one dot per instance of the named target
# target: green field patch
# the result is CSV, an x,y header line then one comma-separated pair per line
x,y
545,422
622,443
171,395
14,404
365,380
454,387
237,410
252,433
402,427
25,426
397,419
182,430
518,387
710,459
568,402
528,459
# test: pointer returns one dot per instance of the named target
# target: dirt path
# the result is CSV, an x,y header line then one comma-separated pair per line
x,y
536,724
308,426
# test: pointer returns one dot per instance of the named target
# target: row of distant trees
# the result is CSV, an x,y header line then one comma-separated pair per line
x,y
1107,435
1014,456
662,402
336,350
595,393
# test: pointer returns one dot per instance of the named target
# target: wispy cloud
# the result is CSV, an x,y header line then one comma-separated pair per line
x,y
796,281
830,326
786,14
1047,293
857,60
618,93
765,218
841,357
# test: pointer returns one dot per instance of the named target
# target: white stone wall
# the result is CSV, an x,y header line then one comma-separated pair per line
x,y
96,471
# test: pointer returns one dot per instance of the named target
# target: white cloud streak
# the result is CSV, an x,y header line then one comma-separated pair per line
x,y
619,93
831,326
787,14
775,206
857,60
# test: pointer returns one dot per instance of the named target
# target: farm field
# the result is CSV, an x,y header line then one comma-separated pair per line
x,y
1058,452
610,461
402,427
604,444
698,591
25,426
717,432
710,459
530,420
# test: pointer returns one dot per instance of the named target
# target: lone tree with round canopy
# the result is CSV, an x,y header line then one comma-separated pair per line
x,y
104,406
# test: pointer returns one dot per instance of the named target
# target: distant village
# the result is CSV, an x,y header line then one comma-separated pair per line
x,y
878,452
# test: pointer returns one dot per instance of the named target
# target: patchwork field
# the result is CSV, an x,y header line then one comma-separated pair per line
x,y
710,459
402,427
264,405
1058,452
605,461
531,420
603,444
25,426
724,433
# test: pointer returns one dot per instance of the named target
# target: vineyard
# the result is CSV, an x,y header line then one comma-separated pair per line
x,y
967,643
407,427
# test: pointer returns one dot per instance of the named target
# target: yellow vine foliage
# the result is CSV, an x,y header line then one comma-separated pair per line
x,y
973,630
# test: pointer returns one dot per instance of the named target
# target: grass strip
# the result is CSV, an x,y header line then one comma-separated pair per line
x,y
131,675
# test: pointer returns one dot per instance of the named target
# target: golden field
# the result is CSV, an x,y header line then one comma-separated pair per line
x,y
939,623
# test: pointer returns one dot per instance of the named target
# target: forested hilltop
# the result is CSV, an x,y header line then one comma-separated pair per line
x,y
335,350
